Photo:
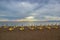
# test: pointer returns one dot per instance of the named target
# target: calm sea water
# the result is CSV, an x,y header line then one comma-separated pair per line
x,y
27,23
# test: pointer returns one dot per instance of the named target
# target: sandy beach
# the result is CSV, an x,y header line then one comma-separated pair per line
x,y
28,34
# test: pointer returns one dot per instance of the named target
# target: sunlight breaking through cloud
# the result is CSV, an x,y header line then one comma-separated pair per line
x,y
30,10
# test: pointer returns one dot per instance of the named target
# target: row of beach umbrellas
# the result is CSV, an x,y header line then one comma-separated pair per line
x,y
30,27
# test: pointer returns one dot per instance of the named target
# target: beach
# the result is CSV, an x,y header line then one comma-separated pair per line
x,y
29,34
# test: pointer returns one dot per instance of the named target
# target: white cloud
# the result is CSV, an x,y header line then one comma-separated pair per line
x,y
52,10
52,18
3,19
29,18
22,6
26,9
2,15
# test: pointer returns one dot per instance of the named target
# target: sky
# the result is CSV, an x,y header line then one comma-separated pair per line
x,y
29,10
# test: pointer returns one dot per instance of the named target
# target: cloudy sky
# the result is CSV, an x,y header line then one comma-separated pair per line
x,y
29,10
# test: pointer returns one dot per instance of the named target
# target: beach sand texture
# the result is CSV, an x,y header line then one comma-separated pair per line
x,y
27,34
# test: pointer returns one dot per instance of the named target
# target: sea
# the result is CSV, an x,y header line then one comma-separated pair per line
x,y
29,23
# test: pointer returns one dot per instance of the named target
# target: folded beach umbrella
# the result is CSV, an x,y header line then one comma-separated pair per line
x,y
40,27
32,27
21,28
10,29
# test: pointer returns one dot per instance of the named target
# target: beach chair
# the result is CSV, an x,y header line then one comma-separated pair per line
x,y
5,26
56,26
14,26
48,27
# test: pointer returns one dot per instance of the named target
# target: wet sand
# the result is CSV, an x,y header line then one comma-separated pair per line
x,y
44,34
